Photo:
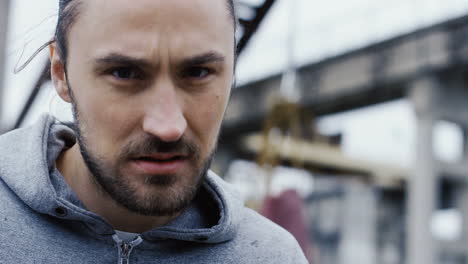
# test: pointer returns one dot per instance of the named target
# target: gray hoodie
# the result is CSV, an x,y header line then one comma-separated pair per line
x,y
42,221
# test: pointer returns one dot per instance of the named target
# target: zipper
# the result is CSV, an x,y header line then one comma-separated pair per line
x,y
125,248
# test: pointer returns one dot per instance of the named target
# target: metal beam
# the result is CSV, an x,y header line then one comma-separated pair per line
x,y
4,10
370,75
250,26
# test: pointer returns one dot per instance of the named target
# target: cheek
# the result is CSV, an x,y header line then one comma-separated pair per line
x,y
205,118
107,121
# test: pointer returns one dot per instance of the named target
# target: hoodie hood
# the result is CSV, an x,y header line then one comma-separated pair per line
x,y
28,168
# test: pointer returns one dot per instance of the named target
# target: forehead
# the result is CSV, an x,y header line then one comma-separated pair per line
x,y
149,26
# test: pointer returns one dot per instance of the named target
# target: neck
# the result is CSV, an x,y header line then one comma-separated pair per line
x,y
71,165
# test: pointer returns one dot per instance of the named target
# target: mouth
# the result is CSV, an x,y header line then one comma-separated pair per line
x,y
159,159
160,163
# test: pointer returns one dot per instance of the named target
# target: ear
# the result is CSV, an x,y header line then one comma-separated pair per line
x,y
57,73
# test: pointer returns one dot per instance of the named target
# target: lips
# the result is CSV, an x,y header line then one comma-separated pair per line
x,y
160,163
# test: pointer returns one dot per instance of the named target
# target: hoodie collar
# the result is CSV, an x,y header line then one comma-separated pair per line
x,y
226,221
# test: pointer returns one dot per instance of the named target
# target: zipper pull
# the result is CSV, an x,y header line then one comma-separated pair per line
x,y
125,249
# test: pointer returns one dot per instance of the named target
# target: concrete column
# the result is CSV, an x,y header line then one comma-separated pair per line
x,y
359,226
422,184
4,10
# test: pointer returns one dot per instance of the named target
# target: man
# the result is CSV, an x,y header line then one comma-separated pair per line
x,y
148,81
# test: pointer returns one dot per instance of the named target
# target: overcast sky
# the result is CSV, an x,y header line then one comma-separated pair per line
x,y
324,28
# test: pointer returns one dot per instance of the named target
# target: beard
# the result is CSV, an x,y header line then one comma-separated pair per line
x,y
159,195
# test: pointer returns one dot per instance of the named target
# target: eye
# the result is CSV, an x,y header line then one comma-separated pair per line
x,y
125,73
197,72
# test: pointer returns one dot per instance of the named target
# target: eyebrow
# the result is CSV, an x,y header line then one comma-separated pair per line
x,y
209,57
121,59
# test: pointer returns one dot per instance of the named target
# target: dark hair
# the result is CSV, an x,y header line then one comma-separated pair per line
x,y
68,12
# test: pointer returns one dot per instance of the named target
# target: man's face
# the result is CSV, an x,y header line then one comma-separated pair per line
x,y
149,81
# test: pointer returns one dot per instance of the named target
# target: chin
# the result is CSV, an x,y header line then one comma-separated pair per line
x,y
159,195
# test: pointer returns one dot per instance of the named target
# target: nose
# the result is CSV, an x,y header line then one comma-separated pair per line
x,y
164,117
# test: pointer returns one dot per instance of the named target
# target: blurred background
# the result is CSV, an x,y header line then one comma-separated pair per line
x,y
347,126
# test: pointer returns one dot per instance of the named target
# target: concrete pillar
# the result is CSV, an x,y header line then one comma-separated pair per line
x,y
422,184
359,226
4,10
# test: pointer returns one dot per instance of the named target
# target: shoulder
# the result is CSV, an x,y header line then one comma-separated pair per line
x,y
9,140
250,222
257,226
272,243
25,138
256,239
